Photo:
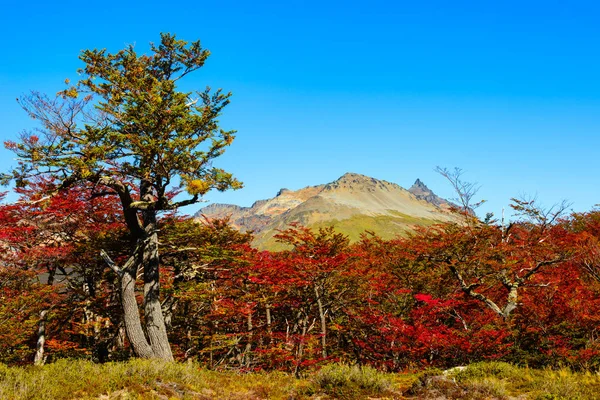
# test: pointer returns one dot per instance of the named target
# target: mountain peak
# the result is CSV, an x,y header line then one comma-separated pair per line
x,y
419,188
353,182
422,192
352,176
420,184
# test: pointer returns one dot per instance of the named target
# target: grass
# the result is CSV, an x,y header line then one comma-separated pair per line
x,y
348,382
136,379
143,379
386,226
497,380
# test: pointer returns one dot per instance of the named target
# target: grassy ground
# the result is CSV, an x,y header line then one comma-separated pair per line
x,y
496,380
139,379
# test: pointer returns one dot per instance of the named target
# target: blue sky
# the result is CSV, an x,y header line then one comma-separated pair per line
x,y
508,91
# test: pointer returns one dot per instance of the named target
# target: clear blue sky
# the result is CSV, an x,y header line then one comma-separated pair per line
x,y
509,91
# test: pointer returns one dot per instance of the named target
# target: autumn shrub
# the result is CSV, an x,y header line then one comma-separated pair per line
x,y
21,300
351,381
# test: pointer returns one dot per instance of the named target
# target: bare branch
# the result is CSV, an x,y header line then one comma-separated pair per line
x,y
465,191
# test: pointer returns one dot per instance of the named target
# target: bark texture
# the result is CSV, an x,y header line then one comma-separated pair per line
x,y
155,322
131,316
39,358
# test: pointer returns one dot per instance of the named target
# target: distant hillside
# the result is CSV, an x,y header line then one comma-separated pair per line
x,y
352,204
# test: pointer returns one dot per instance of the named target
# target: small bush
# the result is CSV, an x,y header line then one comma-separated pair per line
x,y
500,370
351,381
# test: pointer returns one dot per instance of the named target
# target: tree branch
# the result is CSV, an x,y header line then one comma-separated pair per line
x,y
130,213
112,265
193,200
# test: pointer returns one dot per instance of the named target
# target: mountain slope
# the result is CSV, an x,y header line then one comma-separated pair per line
x,y
352,204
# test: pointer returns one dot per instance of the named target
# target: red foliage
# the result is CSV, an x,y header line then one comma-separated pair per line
x,y
446,295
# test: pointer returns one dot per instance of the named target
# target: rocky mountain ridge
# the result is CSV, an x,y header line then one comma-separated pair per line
x,y
353,203
422,192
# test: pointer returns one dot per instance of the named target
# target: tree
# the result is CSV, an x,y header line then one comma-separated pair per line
x,y
478,251
59,236
211,270
317,259
21,298
127,130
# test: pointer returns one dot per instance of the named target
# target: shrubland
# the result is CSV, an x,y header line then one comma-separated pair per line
x,y
446,295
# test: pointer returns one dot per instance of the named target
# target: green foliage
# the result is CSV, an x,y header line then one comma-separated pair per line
x,y
126,120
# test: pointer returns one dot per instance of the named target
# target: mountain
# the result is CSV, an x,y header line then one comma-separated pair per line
x,y
352,204
422,192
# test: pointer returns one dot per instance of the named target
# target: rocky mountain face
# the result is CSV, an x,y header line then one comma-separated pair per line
x,y
422,192
352,204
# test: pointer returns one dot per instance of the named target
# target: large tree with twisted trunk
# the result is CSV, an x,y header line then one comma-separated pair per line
x,y
126,129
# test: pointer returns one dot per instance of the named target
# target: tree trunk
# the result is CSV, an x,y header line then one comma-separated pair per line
x,y
169,305
155,322
323,322
39,358
268,315
248,349
119,340
511,301
131,316
470,290
300,354
156,344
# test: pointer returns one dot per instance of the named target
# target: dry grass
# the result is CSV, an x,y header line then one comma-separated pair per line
x,y
496,380
142,379
137,379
